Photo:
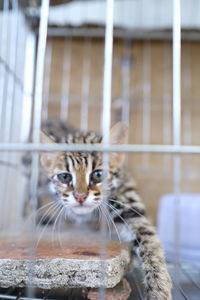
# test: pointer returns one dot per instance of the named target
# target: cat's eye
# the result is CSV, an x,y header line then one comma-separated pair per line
x,y
96,176
64,178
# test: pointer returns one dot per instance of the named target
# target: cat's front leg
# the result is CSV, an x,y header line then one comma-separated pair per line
x,y
157,280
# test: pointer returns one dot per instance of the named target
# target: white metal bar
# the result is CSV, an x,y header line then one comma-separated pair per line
x,y
64,107
29,57
11,86
38,99
166,101
177,121
125,67
47,80
174,149
40,70
42,38
4,58
21,121
187,112
106,119
9,218
7,116
146,129
187,85
107,80
85,90
176,72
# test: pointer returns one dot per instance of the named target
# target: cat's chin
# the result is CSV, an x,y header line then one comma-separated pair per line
x,y
82,210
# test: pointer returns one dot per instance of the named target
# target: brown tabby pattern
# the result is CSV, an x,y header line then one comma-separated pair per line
x,y
77,179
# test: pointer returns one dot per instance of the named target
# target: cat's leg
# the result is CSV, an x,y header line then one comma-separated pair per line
x,y
157,280
128,211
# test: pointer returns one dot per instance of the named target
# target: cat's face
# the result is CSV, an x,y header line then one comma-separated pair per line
x,y
78,177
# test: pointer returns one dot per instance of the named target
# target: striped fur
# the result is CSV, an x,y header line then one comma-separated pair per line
x,y
123,202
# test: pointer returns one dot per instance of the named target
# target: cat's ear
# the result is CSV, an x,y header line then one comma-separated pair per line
x,y
46,158
44,138
118,136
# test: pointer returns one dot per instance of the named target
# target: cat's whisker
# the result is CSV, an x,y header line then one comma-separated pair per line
x,y
113,222
46,215
33,214
49,211
66,214
122,204
99,215
59,225
107,220
43,206
115,210
45,227
54,226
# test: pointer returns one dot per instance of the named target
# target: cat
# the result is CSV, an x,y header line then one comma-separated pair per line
x,y
76,178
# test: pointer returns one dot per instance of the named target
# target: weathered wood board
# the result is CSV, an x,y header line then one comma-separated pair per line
x,y
71,263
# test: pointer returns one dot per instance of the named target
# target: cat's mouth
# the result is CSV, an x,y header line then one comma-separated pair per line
x,y
82,209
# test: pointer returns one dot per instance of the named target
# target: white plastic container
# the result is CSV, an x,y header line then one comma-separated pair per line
x,y
179,227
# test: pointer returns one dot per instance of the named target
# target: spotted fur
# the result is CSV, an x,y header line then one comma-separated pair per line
x,y
124,205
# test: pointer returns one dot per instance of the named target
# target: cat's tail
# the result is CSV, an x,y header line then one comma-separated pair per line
x,y
157,280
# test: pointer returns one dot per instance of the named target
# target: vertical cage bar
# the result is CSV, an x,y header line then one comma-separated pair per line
x,y
10,90
3,37
176,72
13,66
85,85
23,32
187,86
47,80
29,57
126,66
146,98
106,117
187,112
4,62
9,60
64,107
38,97
107,80
42,38
23,113
1,62
40,70
177,125
166,102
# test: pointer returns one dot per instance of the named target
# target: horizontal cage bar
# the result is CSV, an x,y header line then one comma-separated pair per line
x,y
174,149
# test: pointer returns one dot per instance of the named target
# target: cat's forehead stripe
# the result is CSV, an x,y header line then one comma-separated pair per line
x,y
72,160
86,161
89,138
76,160
66,162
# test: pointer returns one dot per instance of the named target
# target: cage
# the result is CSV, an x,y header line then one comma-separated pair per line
x,y
90,64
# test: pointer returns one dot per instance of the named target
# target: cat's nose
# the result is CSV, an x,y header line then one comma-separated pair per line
x,y
80,197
